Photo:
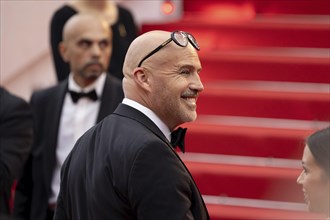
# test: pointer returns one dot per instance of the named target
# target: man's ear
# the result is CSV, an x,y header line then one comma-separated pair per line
x,y
63,51
142,78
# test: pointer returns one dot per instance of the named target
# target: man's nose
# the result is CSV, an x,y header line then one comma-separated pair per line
x,y
95,50
197,83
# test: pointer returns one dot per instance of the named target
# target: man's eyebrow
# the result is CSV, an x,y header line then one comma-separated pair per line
x,y
186,66
190,66
84,40
104,40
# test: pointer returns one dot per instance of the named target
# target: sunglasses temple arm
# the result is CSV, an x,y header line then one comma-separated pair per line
x,y
155,51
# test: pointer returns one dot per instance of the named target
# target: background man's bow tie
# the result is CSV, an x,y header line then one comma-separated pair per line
x,y
177,138
77,95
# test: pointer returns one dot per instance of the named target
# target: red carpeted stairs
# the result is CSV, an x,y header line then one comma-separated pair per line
x,y
266,73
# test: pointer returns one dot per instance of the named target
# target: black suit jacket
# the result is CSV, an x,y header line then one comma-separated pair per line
x,y
34,187
15,142
124,168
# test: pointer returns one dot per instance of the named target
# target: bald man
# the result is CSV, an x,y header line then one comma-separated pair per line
x,y
132,170
64,112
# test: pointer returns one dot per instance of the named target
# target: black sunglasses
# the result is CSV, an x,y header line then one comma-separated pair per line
x,y
181,38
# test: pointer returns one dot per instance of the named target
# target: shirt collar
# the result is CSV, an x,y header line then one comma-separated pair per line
x,y
150,114
98,85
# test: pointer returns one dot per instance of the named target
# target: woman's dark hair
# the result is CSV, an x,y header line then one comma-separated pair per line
x,y
319,145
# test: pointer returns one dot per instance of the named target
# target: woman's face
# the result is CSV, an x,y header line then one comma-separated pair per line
x,y
315,184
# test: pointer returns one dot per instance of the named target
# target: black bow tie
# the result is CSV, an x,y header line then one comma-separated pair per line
x,y
77,95
177,138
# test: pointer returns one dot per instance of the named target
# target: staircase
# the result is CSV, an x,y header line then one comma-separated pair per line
x,y
266,73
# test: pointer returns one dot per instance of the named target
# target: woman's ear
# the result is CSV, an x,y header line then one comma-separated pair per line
x,y
142,78
325,177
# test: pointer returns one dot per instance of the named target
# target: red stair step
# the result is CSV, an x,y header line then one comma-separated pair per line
x,y
262,6
248,136
275,181
285,31
248,210
301,101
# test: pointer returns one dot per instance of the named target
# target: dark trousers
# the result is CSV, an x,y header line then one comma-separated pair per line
x,y
50,214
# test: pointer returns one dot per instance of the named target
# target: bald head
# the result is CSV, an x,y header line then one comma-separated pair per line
x,y
82,22
141,46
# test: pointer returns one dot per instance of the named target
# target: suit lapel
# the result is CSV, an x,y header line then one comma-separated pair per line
x,y
55,107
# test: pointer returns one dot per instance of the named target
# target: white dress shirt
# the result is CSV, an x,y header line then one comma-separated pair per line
x,y
151,115
76,119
